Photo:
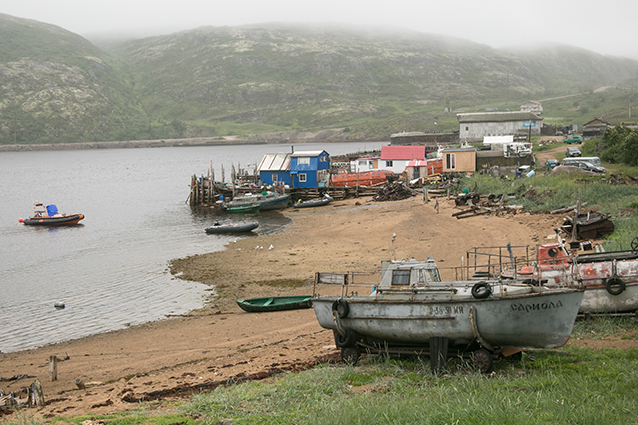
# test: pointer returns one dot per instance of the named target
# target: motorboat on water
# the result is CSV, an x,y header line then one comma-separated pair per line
x,y
49,216
266,200
412,308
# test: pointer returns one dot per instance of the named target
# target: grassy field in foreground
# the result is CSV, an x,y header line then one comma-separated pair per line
x,y
570,385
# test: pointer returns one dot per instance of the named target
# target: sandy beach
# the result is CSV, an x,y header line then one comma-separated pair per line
x,y
218,344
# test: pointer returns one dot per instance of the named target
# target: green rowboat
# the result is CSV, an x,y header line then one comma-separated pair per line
x,y
244,208
255,305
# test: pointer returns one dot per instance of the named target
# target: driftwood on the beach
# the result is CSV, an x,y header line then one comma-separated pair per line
x,y
32,396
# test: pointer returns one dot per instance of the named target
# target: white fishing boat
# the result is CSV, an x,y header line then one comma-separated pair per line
x,y
412,308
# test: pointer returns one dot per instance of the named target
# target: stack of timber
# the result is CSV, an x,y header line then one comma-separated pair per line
x,y
481,205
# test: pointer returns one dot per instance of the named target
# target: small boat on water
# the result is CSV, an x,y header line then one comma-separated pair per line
x,y
243,208
413,309
314,202
231,228
266,201
256,305
49,216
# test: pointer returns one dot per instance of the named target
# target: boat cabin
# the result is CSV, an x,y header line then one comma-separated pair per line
x,y
409,274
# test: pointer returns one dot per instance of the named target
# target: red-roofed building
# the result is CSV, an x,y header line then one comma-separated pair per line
x,y
396,158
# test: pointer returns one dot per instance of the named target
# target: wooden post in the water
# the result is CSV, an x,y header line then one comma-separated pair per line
x,y
53,368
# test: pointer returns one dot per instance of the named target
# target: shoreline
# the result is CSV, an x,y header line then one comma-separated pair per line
x,y
258,139
220,341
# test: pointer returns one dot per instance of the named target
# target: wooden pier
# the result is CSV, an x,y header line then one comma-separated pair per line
x,y
205,192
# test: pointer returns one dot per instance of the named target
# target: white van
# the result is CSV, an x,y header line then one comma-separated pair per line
x,y
593,160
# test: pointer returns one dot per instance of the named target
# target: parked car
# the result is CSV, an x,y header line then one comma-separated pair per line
x,y
573,139
572,151
591,167
551,164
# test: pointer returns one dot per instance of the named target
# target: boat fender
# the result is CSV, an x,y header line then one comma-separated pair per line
x,y
481,290
345,341
615,286
341,307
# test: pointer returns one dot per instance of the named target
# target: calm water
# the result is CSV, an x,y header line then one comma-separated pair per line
x,y
112,270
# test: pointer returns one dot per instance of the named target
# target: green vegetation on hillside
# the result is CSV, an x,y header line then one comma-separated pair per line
x,y
220,81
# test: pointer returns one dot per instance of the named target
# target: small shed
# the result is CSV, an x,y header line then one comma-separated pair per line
x,y
274,169
309,169
595,128
457,160
424,168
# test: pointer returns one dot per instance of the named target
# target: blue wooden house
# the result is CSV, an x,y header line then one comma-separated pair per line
x,y
274,169
309,169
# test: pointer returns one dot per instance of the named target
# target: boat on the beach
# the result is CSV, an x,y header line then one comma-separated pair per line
x,y
266,201
256,305
49,216
243,208
231,228
413,309
610,279
364,178
325,200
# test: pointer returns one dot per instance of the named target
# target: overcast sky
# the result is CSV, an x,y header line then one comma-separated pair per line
x,y
607,27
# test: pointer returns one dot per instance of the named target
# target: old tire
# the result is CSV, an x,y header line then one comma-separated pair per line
x,y
615,286
341,307
350,355
345,341
482,360
481,290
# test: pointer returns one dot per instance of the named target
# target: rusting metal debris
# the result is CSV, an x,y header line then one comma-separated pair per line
x,y
589,225
394,191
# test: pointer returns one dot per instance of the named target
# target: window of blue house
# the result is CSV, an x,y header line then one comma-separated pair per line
x,y
274,178
302,177
303,160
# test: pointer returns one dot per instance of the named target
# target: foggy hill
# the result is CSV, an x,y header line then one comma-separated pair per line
x,y
215,81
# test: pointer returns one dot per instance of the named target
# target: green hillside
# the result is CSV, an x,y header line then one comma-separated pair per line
x,y
219,81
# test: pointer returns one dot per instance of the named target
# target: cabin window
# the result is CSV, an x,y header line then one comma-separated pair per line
x,y
323,158
362,163
401,277
371,164
274,178
302,177
388,163
303,160
450,161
